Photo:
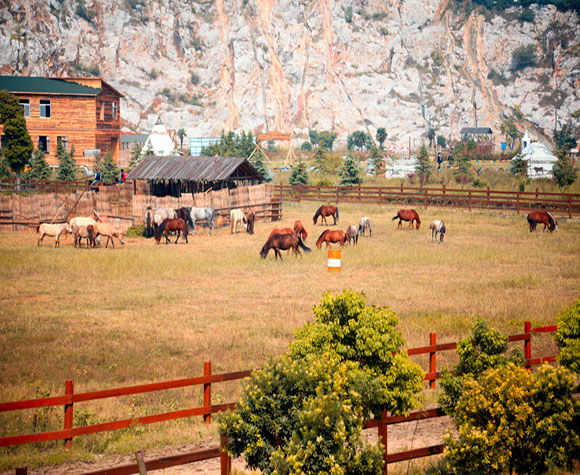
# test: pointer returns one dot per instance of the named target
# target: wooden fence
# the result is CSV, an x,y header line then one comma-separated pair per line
x,y
568,203
45,186
70,398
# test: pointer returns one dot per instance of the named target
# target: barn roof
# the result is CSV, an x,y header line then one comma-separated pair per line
x,y
40,85
194,169
475,130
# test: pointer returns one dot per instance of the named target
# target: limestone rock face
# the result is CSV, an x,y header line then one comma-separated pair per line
x,y
290,65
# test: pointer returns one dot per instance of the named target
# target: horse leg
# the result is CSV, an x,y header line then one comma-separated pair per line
x,y
167,241
178,234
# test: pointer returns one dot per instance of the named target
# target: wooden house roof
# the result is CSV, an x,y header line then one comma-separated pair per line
x,y
194,169
475,130
63,86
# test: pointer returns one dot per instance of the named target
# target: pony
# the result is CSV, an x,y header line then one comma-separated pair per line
x,y
283,241
250,218
110,231
85,232
437,226
169,225
331,236
300,230
543,217
407,215
54,230
352,234
237,216
324,211
199,214
364,226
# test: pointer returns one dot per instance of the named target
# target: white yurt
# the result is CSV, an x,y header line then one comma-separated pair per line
x,y
540,159
160,142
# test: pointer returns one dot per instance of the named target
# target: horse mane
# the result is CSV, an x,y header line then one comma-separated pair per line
x,y
318,211
323,233
161,228
551,219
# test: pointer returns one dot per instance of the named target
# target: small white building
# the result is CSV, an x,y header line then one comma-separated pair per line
x,y
540,159
399,168
160,142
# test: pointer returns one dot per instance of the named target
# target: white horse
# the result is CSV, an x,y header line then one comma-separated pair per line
x,y
198,214
155,216
110,231
437,226
54,230
81,221
364,226
237,217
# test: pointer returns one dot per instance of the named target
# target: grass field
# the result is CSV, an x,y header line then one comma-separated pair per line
x,y
146,312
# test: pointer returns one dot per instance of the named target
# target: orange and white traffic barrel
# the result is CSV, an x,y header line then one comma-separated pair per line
x,y
334,261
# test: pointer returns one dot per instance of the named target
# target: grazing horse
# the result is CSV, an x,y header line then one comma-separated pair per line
x,y
364,226
331,236
324,211
250,218
300,230
352,234
169,225
437,226
283,241
110,231
408,215
54,230
543,217
85,232
237,216
199,214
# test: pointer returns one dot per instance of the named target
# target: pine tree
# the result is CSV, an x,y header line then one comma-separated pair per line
x,y
424,167
563,170
5,172
39,169
349,172
260,166
110,172
377,161
66,163
299,175
519,166
135,156
320,163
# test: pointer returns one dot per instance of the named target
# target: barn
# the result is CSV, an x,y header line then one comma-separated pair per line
x,y
175,175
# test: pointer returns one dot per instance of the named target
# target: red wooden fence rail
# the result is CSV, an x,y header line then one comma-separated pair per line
x,y
70,398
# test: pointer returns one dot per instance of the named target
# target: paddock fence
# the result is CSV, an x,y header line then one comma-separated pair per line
x,y
71,398
518,201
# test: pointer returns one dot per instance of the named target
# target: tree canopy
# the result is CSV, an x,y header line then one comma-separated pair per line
x,y
18,147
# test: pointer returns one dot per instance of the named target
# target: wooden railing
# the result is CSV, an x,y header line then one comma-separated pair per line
x,y
70,398
45,186
518,201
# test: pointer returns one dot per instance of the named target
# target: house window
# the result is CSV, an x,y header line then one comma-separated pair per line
x,y
115,110
63,142
44,143
25,103
102,111
45,108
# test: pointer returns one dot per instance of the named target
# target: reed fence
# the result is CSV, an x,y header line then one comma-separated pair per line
x,y
70,398
568,203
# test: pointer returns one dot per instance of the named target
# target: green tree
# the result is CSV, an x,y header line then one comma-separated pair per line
x,y
568,337
299,175
563,170
326,139
519,167
110,171
381,136
349,172
523,57
231,145
442,141
431,136
181,134
424,167
306,146
510,131
5,172
320,163
260,166
377,161
18,147
39,169
136,156
313,135
67,168
564,138
464,171
359,139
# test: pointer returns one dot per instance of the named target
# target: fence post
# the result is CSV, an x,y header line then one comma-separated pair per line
x,y
518,203
469,200
280,191
225,460
207,391
359,191
383,429
488,196
536,194
432,358
402,195
380,195
443,201
426,198
570,207
337,194
69,390
318,188
299,193
527,342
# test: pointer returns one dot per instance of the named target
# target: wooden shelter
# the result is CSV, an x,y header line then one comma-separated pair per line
x,y
478,134
176,174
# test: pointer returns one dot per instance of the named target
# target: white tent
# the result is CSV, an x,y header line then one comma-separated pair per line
x,y
399,168
540,159
160,142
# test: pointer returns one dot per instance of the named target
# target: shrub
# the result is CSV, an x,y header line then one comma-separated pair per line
x,y
350,172
137,230
568,337
306,146
514,421
524,57
299,175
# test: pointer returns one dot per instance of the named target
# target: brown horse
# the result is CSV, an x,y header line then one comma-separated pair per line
x,y
300,230
250,218
544,218
324,211
331,236
352,234
169,225
407,215
283,241
281,231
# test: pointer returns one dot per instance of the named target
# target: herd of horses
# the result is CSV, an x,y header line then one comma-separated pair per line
x,y
81,228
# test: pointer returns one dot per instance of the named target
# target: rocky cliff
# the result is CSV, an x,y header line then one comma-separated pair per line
x,y
295,65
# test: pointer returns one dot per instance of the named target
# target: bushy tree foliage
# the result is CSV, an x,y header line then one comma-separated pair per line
x,y
110,171
442,141
39,169
299,175
484,349
519,167
359,139
510,131
431,135
564,138
306,146
136,156
349,172
304,412
524,57
320,163
511,420
376,158
381,136
564,172
326,139
260,165
424,167
568,337
67,169
5,172
231,145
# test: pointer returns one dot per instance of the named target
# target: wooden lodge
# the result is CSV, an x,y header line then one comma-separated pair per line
x,y
176,175
83,113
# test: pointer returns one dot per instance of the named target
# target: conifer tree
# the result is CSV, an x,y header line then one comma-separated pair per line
x,y
135,156
349,172
563,170
320,163
110,172
424,168
66,163
260,166
39,169
377,161
299,175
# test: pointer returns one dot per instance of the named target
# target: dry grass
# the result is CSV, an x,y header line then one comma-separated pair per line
x,y
143,313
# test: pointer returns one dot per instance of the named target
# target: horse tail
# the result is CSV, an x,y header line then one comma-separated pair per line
x,y
336,208
395,217
302,246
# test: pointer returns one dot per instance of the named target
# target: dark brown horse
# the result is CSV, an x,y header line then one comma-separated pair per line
x,y
250,218
542,217
408,215
300,230
331,236
283,242
168,225
185,214
324,211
